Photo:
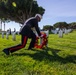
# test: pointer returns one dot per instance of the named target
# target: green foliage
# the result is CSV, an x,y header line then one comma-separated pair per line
x,y
72,25
19,10
58,59
60,25
47,27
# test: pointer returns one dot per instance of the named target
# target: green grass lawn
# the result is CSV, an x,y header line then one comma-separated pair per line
x,y
58,59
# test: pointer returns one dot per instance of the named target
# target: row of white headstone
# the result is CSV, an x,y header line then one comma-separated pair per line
x,y
7,35
60,32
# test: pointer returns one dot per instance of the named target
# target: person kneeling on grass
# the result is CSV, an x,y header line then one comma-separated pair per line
x,y
27,32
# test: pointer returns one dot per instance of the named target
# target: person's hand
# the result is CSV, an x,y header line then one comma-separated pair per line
x,y
41,36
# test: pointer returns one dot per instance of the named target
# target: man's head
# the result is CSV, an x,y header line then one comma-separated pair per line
x,y
39,17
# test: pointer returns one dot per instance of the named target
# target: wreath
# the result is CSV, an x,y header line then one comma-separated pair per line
x,y
44,41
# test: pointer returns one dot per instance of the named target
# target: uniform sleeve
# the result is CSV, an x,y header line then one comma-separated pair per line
x,y
37,28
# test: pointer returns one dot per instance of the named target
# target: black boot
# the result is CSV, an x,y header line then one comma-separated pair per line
x,y
6,51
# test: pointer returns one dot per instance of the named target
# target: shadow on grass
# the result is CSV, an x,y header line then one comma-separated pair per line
x,y
44,54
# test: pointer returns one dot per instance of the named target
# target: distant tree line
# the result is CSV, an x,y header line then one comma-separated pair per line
x,y
60,25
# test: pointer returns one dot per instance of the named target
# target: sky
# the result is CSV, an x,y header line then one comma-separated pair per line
x,y
55,11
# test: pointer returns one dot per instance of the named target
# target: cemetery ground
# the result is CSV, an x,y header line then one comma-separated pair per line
x,y
58,59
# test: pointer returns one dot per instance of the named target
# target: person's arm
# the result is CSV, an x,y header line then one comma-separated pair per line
x,y
37,28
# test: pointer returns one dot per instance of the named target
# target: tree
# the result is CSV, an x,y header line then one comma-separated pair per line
x,y
19,10
72,25
60,25
47,27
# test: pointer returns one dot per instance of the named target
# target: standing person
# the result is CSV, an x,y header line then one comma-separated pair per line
x,y
27,32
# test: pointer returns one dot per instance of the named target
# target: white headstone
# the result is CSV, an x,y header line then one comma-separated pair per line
x,y
66,31
7,35
55,31
2,34
60,33
14,36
